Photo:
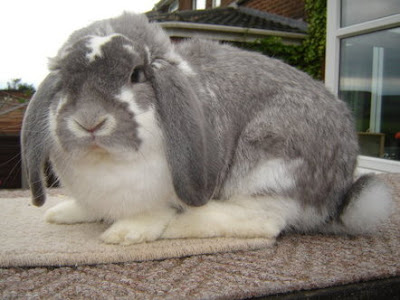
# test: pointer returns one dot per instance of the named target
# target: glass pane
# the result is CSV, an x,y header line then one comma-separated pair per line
x,y
358,11
173,6
216,3
199,4
370,84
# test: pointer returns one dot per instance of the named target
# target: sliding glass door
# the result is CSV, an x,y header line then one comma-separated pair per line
x,y
370,83
363,69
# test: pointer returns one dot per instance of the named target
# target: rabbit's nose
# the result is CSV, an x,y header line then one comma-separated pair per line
x,y
92,128
99,126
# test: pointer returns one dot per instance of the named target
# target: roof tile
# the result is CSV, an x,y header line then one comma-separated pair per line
x,y
231,16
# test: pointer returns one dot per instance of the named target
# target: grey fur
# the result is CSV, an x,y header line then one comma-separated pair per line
x,y
34,138
235,111
195,165
358,186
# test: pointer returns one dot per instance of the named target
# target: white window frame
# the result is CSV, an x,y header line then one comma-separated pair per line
x,y
334,34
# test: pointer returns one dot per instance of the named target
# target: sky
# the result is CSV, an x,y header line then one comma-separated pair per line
x,y
33,30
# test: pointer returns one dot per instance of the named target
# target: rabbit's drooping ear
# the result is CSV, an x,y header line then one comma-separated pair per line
x,y
35,137
190,142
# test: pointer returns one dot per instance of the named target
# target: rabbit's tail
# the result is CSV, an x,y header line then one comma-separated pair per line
x,y
367,204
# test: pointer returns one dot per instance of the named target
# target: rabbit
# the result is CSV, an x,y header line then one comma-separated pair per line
x,y
195,139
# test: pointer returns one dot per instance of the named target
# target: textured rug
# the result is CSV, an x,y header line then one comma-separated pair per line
x,y
295,262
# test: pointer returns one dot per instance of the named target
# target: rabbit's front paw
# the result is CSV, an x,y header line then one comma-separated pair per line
x,y
127,232
68,212
142,228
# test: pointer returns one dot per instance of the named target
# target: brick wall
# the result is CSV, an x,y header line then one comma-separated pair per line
x,y
226,2
288,8
185,4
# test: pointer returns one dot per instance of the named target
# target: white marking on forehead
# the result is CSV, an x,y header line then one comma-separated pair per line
x,y
95,44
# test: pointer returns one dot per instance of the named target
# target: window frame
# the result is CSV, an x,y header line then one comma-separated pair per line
x,y
334,34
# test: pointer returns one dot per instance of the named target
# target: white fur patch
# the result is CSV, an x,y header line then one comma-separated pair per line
x,y
371,207
246,217
146,227
271,175
115,188
186,68
157,64
176,59
95,44
68,212
129,48
126,95
53,118
148,130
148,53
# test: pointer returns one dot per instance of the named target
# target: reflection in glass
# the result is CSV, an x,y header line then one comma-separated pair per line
x,y
370,84
358,11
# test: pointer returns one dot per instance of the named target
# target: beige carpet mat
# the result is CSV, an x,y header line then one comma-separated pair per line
x,y
27,240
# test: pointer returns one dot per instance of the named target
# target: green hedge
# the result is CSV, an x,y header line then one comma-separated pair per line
x,y
310,55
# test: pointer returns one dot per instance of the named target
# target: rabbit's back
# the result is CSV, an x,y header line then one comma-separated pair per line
x,y
270,114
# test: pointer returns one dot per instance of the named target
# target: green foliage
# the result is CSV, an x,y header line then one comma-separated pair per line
x,y
315,43
17,85
310,55
273,46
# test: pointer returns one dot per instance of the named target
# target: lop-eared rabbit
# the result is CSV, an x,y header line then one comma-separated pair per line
x,y
192,140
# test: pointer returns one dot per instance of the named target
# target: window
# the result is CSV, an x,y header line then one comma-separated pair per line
x,y
199,4
369,80
173,6
363,69
358,11
216,3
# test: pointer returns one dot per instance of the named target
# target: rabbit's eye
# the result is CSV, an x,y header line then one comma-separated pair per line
x,y
138,75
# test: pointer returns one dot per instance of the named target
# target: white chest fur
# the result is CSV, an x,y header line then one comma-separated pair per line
x,y
119,189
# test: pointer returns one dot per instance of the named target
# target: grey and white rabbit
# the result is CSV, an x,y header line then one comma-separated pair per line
x,y
194,139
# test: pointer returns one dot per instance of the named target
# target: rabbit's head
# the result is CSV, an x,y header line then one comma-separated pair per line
x,y
102,80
